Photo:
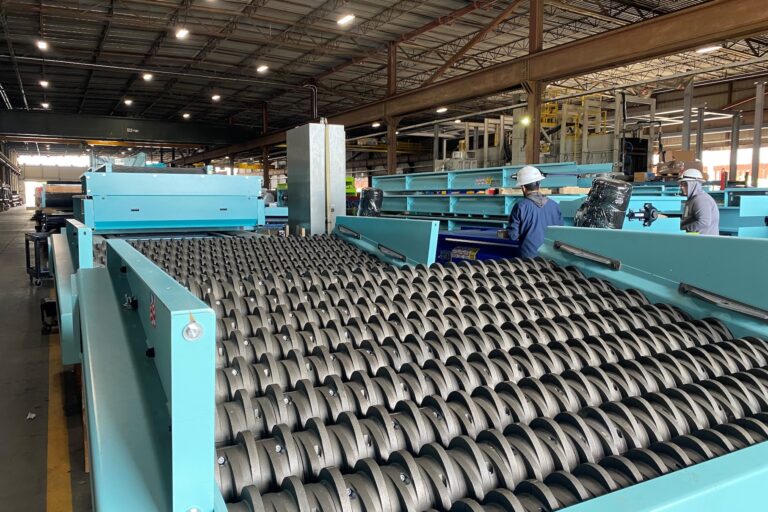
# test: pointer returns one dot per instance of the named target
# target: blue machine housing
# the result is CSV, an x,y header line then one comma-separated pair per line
x,y
140,203
129,202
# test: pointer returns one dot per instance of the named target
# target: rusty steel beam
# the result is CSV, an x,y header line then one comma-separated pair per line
x,y
439,22
479,36
672,33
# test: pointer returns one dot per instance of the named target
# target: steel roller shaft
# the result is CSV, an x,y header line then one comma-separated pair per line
x,y
362,436
346,384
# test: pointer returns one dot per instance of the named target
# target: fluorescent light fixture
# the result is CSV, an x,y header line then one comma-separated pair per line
x,y
216,97
182,33
262,69
42,45
147,76
442,110
128,101
709,49
45,105
346,19
526,121
185,115
44,83
376,124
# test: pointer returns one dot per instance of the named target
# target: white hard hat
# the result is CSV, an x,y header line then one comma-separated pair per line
x,y
692,175
528,175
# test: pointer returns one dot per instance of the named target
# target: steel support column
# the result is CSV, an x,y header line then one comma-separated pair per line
x,y
533,146
392,145
687,111
735,136
757,142
265,167
265,149
436,144
536,26
701,111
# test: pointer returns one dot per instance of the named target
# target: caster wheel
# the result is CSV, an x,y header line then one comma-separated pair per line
x,y
38,282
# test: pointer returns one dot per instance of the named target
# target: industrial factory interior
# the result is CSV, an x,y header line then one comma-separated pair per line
x,y
383,256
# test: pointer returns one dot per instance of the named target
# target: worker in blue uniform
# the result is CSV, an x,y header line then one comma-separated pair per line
x,y
531,216
701,214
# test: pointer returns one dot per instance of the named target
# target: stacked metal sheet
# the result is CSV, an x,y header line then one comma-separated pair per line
x,y
346,384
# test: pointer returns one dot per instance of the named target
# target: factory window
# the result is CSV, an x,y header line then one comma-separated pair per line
x,y
57,160
719,161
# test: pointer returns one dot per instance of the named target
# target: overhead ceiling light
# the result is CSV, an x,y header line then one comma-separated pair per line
x,y
122,152
376,124
262,69
44,83
185,115
442,110
457,121
45,105
526,121
42,45
346,19
147,76
709,49
216,97
397,133
182,33
128,101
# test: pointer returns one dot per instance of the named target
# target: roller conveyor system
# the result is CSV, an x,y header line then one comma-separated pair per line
x,y
343,383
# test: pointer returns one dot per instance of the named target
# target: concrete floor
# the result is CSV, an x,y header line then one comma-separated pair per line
x,y
24,388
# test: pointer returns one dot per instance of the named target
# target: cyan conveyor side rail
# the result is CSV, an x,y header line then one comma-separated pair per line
x,y
148,371
657,264
69,251
396,241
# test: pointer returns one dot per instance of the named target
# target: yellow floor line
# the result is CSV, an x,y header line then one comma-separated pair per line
x,y
59,482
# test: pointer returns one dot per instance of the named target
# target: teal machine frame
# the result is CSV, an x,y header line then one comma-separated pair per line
x,y
151,203
444,196
149,352
667,267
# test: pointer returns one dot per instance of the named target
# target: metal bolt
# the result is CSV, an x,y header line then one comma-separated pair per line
x,y
192,331
278,448
221,461
404,478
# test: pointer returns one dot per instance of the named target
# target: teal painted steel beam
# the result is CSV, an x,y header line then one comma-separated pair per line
x,y
735,481
396,241
154,201
148,367
64,268
657,263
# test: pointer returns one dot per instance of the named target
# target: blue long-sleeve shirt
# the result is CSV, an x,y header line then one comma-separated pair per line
x,y
529,219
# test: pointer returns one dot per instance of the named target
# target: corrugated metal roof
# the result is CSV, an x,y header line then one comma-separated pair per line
x,y
99,49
